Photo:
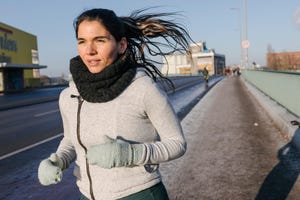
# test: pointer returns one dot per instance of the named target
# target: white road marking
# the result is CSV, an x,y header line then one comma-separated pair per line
x,y
46,113
30,146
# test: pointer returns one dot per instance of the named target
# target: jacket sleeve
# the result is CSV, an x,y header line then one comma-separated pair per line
x,y
171,143
65,149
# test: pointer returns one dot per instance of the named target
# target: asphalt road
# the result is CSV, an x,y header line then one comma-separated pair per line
x,y
28,125
29,97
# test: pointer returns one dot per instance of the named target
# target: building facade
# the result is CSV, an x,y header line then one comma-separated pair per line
x,y
19,61
285,61
195,62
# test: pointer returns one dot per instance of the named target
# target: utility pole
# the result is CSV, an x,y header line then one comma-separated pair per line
x,y
246,42
240,32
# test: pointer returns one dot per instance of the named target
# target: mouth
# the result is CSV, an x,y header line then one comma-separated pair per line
x,y
93,63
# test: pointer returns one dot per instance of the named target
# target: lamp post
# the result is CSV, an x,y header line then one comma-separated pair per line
x,y
240,30
245,33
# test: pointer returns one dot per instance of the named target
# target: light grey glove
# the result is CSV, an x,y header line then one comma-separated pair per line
x,y
114,153
50,170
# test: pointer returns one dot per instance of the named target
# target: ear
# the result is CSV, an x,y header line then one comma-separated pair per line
x,y
122,45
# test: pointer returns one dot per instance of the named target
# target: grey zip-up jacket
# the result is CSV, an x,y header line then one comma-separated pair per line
x,y
141,114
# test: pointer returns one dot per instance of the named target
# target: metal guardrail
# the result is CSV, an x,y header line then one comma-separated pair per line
x,y
282,87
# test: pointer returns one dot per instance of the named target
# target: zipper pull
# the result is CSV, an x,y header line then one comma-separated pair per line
x,y
75,96
80,99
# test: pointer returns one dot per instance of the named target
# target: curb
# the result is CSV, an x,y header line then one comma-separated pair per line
x,y
280,116
189,106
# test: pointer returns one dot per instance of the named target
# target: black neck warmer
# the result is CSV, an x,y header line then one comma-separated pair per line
x,y
105,85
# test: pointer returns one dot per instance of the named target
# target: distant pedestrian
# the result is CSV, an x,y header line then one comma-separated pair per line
x,y
205,74
118,124
227,71
238,71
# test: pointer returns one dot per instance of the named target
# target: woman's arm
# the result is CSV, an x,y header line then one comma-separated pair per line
x,y
172,143
65,150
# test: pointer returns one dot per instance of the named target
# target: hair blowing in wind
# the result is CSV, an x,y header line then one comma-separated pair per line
x,y
156,34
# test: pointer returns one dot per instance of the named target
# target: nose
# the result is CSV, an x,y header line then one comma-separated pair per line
x,y
90,49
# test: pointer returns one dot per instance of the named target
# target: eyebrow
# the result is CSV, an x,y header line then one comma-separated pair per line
x,y
95,38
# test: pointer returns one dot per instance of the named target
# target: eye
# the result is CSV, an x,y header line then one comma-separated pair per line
x,y
80,41
100,40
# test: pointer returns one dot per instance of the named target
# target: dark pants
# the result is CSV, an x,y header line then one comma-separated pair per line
x,y
156,192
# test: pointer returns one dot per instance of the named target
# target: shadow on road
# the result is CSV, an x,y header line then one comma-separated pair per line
x,y
280,181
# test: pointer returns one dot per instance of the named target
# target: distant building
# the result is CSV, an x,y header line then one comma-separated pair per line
x,y
192,64
54,81
19,61
285,61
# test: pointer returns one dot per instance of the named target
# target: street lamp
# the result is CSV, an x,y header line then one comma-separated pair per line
x,y
240,30
245,33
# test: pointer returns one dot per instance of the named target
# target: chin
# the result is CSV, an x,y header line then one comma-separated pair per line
x,y
95,70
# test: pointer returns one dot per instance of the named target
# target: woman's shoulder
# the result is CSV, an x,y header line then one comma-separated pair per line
x,y
142,76
142,80
144,84
70,90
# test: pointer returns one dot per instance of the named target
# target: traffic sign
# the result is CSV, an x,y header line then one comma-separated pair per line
x,y
245,44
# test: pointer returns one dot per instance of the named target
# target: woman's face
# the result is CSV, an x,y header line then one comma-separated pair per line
x,y
97,47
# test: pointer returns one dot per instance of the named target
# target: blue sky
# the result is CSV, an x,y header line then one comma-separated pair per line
x,y
269,22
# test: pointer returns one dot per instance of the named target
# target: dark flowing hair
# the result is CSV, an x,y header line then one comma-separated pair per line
x,y
142,31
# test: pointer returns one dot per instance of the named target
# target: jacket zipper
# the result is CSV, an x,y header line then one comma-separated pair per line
x,y
80,102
